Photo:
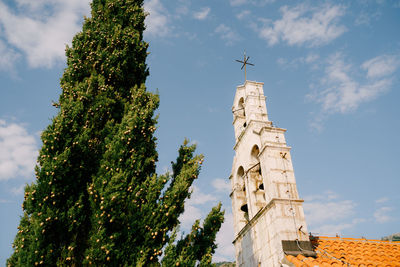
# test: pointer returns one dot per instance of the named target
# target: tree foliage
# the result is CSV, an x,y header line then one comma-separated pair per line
x,y
198,245
97,199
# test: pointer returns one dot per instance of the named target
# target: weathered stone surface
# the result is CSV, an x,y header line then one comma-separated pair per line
x,y
263,179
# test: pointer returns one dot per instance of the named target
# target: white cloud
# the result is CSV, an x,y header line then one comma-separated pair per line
x,y
327,211
36,5
195,208
311,58
317,121
192,212
225,250
18,151
41,29
326,214
333,229
182,10
190,215
381,214
382,200
158,21
202,14
8,57
17,190
227,34
340,93
263,2
365,18
243,14
238,2
221,185
327,195
381,66
303,25
253,2
283,62
199,198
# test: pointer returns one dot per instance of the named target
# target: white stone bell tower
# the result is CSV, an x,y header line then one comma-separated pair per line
x,y
268,213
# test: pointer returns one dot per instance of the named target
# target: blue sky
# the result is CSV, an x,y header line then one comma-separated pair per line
x,y
331,74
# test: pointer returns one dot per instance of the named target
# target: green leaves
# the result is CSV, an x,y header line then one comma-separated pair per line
x,y
198,245
97,199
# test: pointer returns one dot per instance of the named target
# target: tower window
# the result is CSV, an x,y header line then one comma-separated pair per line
x,y
240,172
240,109
254,153
244,208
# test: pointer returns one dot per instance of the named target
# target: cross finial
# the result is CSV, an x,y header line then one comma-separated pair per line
x,y
245,62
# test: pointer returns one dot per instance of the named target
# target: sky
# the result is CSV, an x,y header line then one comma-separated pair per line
x,y
331,76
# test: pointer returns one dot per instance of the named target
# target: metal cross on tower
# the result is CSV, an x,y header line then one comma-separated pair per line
x,y
245,62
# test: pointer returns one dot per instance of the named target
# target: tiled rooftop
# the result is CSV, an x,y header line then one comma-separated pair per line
x,y
337,251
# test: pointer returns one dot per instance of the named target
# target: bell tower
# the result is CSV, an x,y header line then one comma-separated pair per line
x,y
268,213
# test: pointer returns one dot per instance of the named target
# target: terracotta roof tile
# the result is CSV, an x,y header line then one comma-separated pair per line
x,y
337,251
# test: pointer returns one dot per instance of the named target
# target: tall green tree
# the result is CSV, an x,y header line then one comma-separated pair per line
x,y
97,199
198,245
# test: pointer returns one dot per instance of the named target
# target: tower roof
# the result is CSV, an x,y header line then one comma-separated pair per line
x,y
338,251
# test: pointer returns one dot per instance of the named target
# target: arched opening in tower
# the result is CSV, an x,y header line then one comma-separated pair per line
x,y
257,182
242,195
240,109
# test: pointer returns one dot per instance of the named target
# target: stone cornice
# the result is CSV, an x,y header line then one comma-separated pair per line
x,y
261,212
248,128
247,81
272,129
283,148
237,117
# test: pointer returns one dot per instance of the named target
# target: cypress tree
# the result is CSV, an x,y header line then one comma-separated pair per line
x,y
97,199
198,245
